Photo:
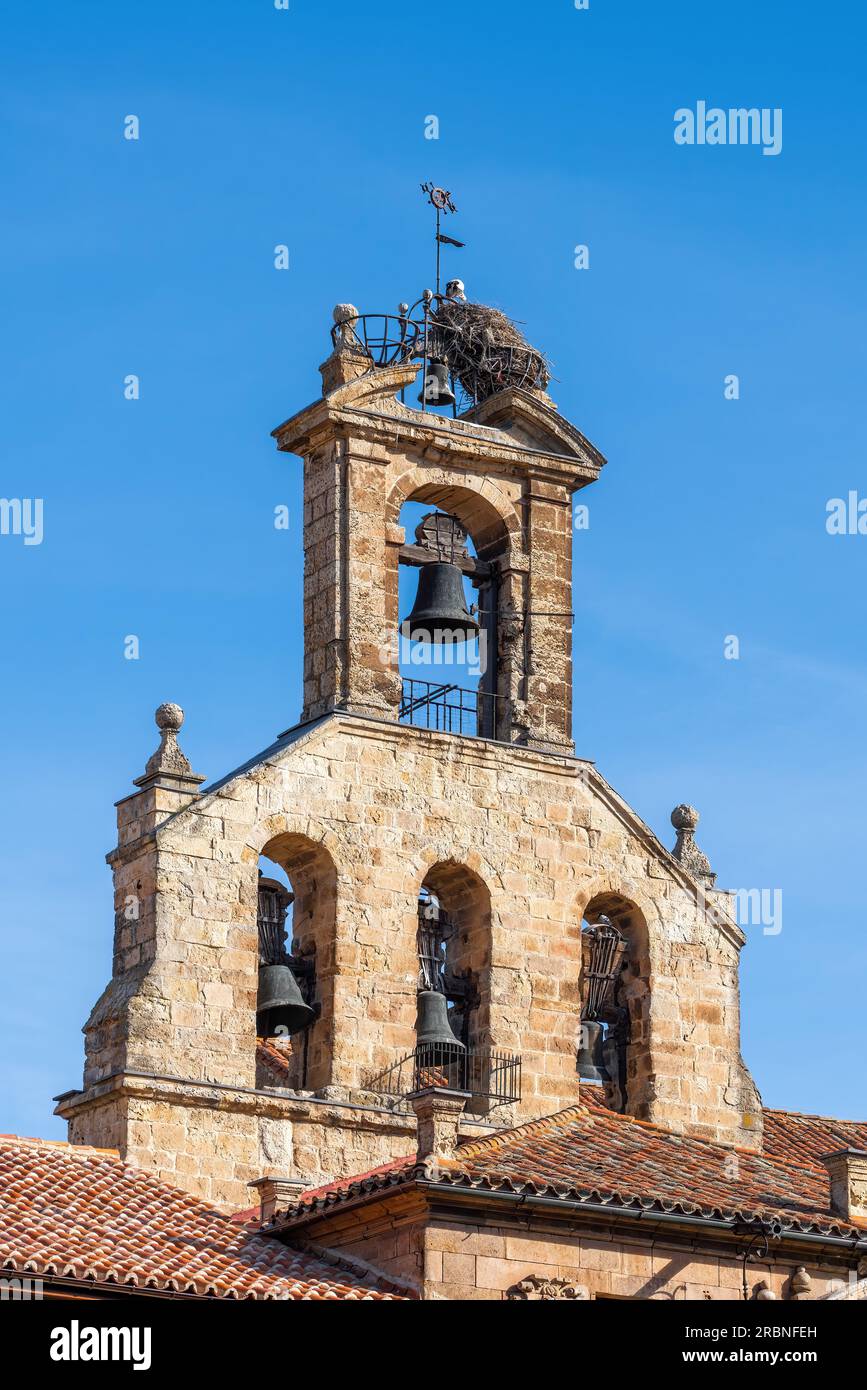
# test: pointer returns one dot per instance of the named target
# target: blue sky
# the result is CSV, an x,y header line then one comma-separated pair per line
x,y
306,127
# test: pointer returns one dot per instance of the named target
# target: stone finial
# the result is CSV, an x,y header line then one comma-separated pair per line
x,y
276,1193
168,767
350,358
800,1285
345,317
438,1114
685,819
847,1169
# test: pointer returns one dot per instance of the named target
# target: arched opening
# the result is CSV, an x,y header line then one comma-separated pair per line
x,y
452,603
454,948
297,898
463,905
615,970
445,661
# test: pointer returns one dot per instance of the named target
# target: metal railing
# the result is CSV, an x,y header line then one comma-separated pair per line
x,y
483,1072
385,338
450,709
388,339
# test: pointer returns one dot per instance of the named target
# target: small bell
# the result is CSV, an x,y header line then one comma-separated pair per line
x,y
590,1063
436,389
280,1007
432,1027
440,612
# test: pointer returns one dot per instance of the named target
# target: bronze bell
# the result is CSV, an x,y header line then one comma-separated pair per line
x,y
440,612
280,1007
591,1063
436,389
432,1027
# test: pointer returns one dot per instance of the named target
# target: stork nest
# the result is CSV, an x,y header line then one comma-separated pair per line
x,y
485,350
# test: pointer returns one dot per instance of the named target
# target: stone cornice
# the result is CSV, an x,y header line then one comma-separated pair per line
x,y
448,1197
551,449
272,1104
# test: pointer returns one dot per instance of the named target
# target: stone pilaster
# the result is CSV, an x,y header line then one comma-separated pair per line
x,y
438,1115
847,1170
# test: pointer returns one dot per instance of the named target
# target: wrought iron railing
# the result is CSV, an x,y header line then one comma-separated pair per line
x,y
450,709
385,338
388,339
483,1072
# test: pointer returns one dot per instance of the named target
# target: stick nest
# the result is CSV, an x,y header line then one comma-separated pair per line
x,y
485,350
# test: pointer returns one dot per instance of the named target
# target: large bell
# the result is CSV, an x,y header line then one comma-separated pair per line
x,y
432,1027
436,389
280,1007
440,612
591,1062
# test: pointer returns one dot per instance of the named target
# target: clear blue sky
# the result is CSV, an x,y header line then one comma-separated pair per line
x,y
306,127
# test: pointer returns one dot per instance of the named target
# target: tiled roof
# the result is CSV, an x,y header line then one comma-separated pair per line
x,y
805,1138
273,1060
80,1213
589,1154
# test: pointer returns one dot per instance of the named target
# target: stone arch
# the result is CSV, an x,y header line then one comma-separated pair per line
x,y
479,504
311,869
494,525
465,898
628,908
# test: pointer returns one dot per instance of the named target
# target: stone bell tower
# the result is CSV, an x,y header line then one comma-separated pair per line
x,y
506,469
369,810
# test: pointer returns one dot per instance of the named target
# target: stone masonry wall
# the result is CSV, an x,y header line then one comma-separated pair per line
x,y
384,805
467,1260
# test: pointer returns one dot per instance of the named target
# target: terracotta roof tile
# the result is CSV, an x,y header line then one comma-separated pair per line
x,y
589,1148
589,1154
80,1213
274,1060
805,1138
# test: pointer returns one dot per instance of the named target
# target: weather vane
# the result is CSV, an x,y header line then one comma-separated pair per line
x,y
441,200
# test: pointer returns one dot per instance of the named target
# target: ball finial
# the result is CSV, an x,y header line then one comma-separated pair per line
x,y
684,817
169,716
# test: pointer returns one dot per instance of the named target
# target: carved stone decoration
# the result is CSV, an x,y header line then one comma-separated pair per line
x,y
537,1287
510,630
350,358
345,318
168,767
443,535
521,723
800,1286
685,819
